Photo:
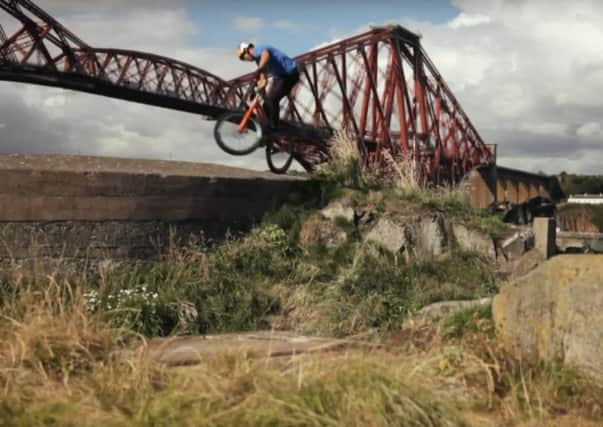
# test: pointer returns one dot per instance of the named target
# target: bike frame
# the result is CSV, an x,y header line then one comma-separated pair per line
x,y
256,108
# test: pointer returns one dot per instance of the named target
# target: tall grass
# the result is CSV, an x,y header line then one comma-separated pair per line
x,y
399,177
61,365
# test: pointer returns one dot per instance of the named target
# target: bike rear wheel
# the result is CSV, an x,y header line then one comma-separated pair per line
x,y
279,155
229,139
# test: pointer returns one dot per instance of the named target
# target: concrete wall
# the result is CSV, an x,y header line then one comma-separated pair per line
x,y
89,209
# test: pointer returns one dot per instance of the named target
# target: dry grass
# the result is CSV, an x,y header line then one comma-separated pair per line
x,y
62,366
401,178
407,176
59,366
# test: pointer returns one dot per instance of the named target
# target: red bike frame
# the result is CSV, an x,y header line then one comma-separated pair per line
x,y
254,107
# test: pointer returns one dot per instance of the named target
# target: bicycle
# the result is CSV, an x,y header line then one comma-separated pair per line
x,y
241,133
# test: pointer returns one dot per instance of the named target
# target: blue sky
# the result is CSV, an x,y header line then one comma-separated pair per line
x,y
297,27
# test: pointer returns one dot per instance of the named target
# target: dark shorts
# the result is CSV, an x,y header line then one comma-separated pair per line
x,y
281,87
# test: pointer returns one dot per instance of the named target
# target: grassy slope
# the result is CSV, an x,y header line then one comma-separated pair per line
x,y
72,353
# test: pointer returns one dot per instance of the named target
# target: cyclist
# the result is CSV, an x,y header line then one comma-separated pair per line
x,y
284,72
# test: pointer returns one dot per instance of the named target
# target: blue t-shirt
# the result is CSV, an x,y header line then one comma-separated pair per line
x,y
279,64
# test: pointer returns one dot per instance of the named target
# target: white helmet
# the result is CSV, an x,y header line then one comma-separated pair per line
x,y
243,49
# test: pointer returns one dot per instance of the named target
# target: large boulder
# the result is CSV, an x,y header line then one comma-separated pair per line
x,y
473,241
555,312
389,234
422,236
431,235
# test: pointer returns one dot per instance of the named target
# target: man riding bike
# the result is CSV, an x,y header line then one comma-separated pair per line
x,y
284,71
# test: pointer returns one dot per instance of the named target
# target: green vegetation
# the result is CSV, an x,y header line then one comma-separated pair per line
x,y
580,184
474,320
597,216
260,281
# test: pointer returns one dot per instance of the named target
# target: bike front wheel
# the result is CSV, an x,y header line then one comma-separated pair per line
x,y
234,141
279,155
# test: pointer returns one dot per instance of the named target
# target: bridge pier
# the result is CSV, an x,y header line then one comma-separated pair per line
x,y
496,184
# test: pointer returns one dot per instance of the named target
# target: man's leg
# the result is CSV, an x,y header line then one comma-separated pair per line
x,y
271,105
280,88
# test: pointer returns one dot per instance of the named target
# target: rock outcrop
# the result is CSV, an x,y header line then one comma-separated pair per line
x,y
416,234
555,312
318,230
473,241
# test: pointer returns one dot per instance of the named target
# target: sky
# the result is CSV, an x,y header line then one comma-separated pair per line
x,y
527,72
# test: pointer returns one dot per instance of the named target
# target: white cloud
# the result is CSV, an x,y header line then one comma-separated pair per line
x,y
247,24
286,25
590,130
466,20
529,74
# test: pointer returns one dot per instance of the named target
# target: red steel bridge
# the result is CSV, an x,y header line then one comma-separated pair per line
x,y
379,86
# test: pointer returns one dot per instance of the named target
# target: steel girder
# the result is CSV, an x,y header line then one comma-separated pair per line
x,y
379,86
42,51
382,88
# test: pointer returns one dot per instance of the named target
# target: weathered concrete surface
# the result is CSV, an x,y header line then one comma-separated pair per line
x,y
58,188
555,312
514,246
194,349
108,208
428,235
421,236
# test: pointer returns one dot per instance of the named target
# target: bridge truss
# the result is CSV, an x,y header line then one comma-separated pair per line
x,y
379,86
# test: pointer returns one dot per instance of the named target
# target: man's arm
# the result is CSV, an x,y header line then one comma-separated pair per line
x,y
262,80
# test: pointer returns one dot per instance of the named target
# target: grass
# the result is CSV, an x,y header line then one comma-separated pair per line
x,y
262,280
61,365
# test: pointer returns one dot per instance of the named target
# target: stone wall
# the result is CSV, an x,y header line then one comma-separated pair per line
x,y
88,209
